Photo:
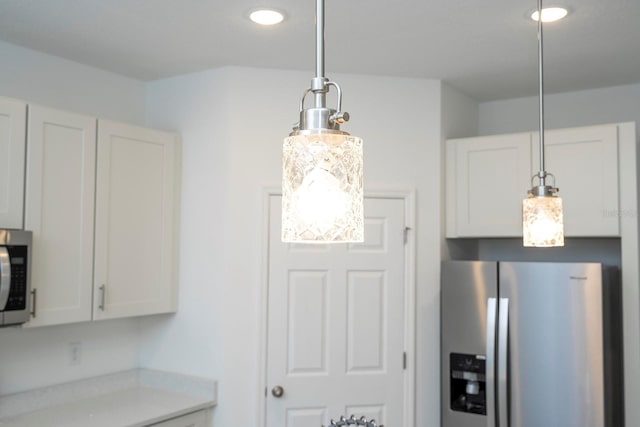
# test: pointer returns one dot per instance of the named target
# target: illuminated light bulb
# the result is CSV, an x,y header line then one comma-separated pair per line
x,y
320,201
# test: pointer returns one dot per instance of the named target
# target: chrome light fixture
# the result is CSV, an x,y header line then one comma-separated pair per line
x,y
542,223
322,185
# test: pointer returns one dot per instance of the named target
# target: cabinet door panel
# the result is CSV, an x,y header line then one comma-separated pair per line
x,y
135,206
13,116
59,209
487,179
585,163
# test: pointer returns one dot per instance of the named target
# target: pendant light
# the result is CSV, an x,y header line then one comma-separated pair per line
x,y
322,189
542,223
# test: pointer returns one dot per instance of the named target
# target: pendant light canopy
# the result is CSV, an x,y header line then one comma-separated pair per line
x,y
322,185
542,223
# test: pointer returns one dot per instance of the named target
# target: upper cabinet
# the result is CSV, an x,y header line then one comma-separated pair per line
x,y
59,210
13,117
101,200
136,199
488,177
485,175
585,163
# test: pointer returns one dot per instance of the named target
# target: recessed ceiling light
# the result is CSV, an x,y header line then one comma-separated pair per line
x,y
550,14
266,16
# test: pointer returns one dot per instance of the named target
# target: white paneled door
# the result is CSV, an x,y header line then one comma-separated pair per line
x,y
336,324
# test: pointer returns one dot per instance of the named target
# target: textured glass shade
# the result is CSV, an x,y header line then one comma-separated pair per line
x,y
542,224
322,195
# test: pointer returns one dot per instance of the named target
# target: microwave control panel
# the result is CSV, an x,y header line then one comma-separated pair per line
x,y
18,294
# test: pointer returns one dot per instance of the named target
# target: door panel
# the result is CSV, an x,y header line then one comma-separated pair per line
x,y
585,162
13,119
59,209
555,343
466,287
135,207
336,323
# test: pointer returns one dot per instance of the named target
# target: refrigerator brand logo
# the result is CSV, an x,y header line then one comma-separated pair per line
x,y
578,277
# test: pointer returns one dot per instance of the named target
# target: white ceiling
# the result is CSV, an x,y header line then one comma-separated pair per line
x,y
487,49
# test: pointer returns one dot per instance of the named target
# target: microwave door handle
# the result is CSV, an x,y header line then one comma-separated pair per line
x,y
490,361
5,277
503,354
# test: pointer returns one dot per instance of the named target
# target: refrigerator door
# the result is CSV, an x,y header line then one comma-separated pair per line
x,y
467,286
555,344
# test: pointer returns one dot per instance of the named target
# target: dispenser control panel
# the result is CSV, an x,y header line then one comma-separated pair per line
x,y
468,383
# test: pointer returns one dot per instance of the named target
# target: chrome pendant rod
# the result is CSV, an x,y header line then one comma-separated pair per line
x,y
318,86
542,174
320,38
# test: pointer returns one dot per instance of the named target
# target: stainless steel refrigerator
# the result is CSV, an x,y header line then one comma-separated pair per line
x,y
528,344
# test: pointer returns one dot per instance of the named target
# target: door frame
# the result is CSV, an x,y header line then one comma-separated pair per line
x,y
409,199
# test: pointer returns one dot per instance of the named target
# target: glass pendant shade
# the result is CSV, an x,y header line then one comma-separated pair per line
x,y
542,223
322,187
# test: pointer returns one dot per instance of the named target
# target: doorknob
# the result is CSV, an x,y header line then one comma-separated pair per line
x,y
277,391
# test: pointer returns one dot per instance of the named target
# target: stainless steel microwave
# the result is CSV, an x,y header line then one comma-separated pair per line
x,y
15,276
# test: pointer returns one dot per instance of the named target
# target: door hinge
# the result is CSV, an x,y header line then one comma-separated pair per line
x,y
404,360
406,234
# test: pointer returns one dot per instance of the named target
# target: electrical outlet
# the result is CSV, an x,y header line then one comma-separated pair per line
x,y
75,353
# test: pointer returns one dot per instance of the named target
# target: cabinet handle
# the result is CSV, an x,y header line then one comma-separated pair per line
x,y
102,292
33,303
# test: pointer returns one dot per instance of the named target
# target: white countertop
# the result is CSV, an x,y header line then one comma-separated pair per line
x,y
129,399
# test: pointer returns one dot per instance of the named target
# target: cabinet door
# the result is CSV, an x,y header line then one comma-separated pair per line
x,y
487,178
136,204
585,163
194,419
59,209
13,116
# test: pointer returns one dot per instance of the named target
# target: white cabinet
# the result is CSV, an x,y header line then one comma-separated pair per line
x,y
194,419
585,163
101,200
488,177
59,209
135,239
13,116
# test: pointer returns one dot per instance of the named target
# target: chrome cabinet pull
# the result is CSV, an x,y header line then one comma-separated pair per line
x,y
33,302
103,291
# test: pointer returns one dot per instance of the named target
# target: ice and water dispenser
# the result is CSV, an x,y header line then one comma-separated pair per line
x,y
468,383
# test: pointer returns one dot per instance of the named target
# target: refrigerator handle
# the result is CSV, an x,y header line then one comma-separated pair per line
x,y
490,362
503,348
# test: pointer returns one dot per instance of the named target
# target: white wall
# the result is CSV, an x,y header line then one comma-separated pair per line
x,y
596,106
31,358
58,83
459,120
232,122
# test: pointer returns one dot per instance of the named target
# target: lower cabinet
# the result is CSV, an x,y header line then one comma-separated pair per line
x,y
194,419
101,200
